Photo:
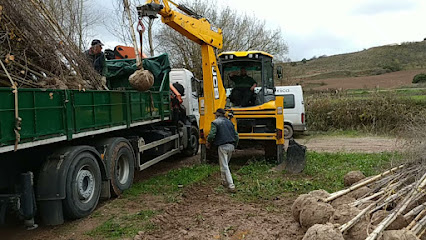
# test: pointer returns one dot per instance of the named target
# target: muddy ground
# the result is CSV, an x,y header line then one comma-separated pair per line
x,y
202,212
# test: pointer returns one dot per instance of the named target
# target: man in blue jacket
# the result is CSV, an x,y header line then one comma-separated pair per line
x,y
224,135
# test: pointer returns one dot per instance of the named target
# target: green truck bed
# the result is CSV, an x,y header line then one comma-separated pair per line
x,y
56,115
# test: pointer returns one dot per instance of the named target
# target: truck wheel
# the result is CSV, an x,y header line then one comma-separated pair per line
x,y
122,167
212,155
274,153
192,148
270,151
209,155
288,131
83,186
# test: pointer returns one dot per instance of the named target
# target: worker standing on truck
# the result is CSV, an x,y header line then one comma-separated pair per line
x,y
243,91
223,135
96,56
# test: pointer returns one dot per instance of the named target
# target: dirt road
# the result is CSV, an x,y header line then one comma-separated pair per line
x,y
202,211
351,144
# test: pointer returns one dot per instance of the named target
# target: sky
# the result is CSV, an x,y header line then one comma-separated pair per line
x,y
327,27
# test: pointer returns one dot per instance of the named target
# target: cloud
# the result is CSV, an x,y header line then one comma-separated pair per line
x,y
318,43
384,6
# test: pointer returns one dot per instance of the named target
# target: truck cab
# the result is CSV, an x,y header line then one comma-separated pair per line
x,y
189,83
257,112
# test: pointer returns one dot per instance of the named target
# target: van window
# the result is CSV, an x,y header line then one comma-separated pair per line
x,y
288,101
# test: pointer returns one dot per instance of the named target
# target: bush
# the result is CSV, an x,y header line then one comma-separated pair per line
x,y
419,78
375,114
393,66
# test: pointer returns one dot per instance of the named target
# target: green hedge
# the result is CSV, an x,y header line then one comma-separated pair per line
x,y
421,77
375,114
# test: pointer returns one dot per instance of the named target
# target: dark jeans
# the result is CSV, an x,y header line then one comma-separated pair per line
x,y
242,97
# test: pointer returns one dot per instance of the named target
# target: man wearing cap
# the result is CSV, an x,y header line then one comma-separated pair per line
x,y
243,91
95,55
223,135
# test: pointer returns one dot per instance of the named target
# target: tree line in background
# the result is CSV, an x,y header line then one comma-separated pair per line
x,y
241,32
76,17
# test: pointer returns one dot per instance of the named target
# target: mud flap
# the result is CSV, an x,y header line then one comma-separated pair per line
x,y
296,157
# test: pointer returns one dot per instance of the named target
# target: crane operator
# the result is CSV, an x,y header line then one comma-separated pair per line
x,y
243,91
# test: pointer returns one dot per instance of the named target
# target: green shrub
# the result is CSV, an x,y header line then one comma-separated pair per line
x,y
393,66
419,78
374,114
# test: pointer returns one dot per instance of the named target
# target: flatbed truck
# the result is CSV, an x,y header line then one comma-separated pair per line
x,y
61,151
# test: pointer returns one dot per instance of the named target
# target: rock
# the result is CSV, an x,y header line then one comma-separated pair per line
x,y
315,212
352,177
323,232
398,235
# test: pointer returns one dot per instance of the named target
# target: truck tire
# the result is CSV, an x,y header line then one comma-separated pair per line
x,y
193,145
209,156
288,131
83,186
274,153
121,167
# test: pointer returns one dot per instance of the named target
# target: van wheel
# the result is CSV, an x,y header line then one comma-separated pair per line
x,y
288,131
83,186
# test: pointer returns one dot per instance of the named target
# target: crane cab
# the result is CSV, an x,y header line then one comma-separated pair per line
x,y
247,77
257,113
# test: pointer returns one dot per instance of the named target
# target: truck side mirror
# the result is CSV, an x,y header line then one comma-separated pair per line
x,y
197,85
279,72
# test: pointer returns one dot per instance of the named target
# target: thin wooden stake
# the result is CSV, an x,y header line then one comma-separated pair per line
x,y
391,217
361,184
416,219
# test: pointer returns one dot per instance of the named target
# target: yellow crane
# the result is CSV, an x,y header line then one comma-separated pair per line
x,y
262,120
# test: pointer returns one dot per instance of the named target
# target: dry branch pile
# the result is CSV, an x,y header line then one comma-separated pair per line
x,y
391,205
36,52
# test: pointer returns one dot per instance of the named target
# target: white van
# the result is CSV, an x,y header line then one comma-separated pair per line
x,y
294,109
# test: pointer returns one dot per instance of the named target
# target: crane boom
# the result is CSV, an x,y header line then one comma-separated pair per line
x,y
263,121
200,31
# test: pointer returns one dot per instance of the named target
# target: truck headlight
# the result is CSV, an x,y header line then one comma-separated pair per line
x,y
279,110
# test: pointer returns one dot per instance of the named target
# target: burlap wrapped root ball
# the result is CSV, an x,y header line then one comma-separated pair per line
x,y
343,214
297,204
141,80
343,200
399,223
320,194
360,192
398,235
359,231
352,177
323,232
313,212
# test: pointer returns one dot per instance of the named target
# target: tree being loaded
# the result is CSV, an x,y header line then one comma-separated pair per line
x,y
37,53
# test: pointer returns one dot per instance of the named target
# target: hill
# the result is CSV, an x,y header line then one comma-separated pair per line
x,y
407,59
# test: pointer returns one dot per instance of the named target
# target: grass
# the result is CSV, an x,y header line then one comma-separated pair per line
x,y
256,181
118,227
173,181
